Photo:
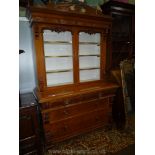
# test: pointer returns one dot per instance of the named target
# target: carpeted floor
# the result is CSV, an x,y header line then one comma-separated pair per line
x,y
101,141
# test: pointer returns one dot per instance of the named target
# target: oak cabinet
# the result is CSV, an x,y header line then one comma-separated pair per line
x,y
74,92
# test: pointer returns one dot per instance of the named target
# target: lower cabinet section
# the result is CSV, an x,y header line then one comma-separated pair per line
x,y
75,125
29,138
82,113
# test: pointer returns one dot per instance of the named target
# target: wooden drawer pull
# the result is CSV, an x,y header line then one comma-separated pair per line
x,y
66,102
65,112
110,105
65,128
109,114
97,118
46,118
100,95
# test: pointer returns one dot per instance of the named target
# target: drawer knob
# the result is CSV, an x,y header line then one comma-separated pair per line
x,y
66,102
109,114
100,95
110,105
65,112
65,128
97,118
46,118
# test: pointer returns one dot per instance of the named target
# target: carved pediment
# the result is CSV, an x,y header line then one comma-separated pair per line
x,y
77,8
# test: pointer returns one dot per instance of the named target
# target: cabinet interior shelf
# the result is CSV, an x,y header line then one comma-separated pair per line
x,y
62,56
90,55
58,56
70,42
61,83
92,68
89,43
93,79
69,70
59,71
58,42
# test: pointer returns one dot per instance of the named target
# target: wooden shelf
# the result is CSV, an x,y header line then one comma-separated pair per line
x,y
59,84
88,80
90,68
62,56
59,71
58,42
89,43
70,42
90,55
58,56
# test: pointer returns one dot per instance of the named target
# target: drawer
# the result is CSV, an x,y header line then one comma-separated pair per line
x,y
75,125
70,100
56,114
83,97
51,104
76,99
27,145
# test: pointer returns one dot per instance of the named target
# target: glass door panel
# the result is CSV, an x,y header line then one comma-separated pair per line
x,y
58,57
89,56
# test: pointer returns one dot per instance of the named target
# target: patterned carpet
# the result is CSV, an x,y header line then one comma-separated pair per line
x,y
101,141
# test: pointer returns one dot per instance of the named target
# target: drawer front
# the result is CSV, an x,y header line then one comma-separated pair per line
x,y
28,145
54,104
75,125
74,109
73,100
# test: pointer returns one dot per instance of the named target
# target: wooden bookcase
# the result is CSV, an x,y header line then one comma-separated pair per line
x,y
122,32
70,45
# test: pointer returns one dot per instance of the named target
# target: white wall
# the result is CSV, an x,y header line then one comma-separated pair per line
x,y
26,68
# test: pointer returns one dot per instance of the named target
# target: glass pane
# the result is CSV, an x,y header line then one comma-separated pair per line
x,y
86,37
89,56
58,57
89,62
55,36
53,50
58,63
89,75
60,78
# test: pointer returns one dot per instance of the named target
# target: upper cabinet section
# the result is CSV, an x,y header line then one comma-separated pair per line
x,y
70,43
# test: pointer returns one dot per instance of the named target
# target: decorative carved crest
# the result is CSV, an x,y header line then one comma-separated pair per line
x,y
57,29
